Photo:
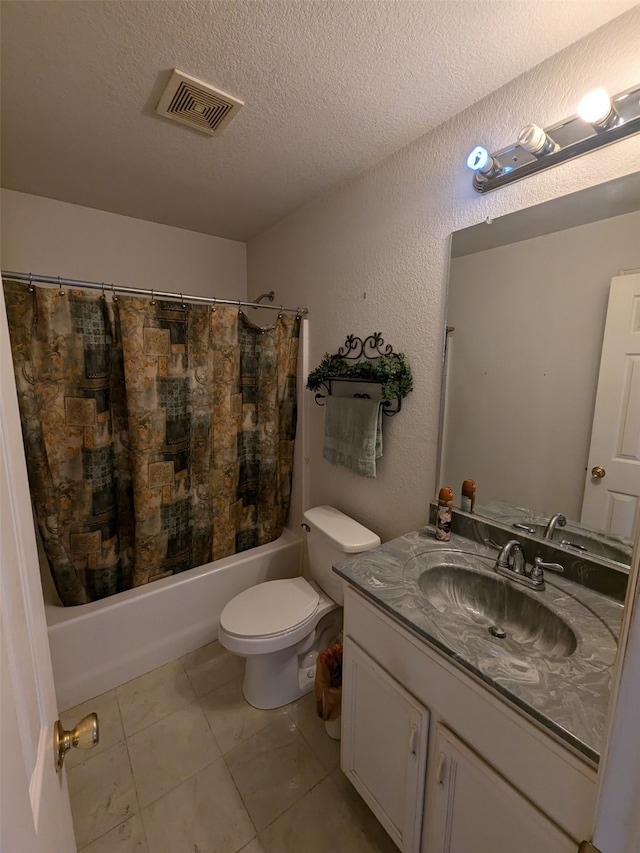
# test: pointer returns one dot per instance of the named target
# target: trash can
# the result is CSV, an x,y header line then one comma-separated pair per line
x,y
328,689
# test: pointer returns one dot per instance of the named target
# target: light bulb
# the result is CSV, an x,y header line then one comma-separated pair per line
x,y
596,109
478,159
482,163
534,140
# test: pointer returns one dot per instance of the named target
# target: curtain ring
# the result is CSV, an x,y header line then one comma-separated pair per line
x,y
153,301
104,296
182,305
31,287
113,291
60,290
213,309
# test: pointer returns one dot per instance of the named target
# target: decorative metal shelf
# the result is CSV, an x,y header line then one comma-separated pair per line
x,y
363,350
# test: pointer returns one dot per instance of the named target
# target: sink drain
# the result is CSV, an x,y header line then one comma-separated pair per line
x,y
497,631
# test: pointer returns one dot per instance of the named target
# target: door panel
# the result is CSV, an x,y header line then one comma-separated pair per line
x,y
474,810
35,816
384,746
612,501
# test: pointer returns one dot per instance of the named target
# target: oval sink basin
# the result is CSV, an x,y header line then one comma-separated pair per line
x,y
510,616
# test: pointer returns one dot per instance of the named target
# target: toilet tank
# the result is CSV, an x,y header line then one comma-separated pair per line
x,y
333,537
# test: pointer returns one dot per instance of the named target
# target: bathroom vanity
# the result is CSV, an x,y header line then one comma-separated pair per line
x,y
460,733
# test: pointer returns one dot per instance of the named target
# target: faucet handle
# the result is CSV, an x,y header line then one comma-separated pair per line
x,y
539,565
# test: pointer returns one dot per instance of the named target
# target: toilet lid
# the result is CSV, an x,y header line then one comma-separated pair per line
x,y
270,608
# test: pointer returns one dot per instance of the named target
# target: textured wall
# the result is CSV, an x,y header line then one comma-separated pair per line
x,y
386,235
50,237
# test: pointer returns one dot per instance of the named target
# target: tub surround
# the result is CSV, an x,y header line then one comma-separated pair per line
x,y
98,646
568,696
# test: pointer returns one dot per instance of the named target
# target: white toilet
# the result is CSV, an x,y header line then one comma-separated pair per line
x,y
280,626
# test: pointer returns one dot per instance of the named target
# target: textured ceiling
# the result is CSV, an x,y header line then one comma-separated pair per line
x,y
330,87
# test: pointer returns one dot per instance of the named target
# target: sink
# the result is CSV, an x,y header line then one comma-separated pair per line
x,y
510,616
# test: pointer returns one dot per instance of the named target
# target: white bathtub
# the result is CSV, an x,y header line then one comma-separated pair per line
x,y
98,646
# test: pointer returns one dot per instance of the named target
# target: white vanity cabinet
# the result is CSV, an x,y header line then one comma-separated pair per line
x,y
495,781
384,746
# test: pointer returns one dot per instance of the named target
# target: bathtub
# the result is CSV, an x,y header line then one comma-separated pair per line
x,y
98,646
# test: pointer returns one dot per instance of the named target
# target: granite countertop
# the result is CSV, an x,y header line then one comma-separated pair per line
x,y
566,694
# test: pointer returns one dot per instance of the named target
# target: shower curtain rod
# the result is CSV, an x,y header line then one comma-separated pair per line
x,y
161,294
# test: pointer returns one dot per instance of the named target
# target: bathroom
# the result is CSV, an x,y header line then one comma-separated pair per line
x,y
371,255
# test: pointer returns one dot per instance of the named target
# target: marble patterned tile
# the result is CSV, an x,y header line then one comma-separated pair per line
x,y
254,846
273,769
109,726
211,667
231,717
102,793
322,820
311,727
127,837
203,814
167,752
149,698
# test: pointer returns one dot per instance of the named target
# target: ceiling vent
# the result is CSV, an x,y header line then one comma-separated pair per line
x,y
197,104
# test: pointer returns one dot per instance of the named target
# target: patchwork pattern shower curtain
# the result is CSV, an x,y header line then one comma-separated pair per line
x,y
158,436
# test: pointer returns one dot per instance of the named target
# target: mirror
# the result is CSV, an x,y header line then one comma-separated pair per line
x,y
527,305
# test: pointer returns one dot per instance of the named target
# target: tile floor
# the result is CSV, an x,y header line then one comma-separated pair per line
x,y
185,764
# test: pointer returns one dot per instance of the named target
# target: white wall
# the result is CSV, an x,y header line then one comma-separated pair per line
x,y
524,360
40,235
386,234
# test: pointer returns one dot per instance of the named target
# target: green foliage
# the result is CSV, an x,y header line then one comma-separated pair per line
x,y
391,371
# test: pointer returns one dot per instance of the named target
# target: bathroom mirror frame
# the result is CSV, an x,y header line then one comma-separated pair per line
x,y
589,207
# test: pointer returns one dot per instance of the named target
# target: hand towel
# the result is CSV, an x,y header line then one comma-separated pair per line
x,y
353,434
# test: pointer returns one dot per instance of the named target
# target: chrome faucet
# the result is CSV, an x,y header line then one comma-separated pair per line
x,y
557,520
511,558
511,563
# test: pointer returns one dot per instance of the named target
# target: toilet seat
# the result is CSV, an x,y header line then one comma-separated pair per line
x,y
298,621
270,609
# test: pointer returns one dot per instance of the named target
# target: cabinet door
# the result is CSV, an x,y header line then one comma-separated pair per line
x,y
472,809
384,746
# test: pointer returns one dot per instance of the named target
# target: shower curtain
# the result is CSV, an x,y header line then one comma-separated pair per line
x,y
158,436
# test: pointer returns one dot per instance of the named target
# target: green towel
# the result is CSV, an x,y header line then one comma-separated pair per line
x,y
353,434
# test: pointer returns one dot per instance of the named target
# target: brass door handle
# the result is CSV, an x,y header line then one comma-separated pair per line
x,y
84,736
598,472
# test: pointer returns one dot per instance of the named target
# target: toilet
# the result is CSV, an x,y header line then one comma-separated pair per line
x,y
280,626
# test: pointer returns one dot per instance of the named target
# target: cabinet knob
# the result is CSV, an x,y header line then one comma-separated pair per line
x,y
441,769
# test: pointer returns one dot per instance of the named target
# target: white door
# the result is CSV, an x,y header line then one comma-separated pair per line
x,y
35,816
384,746
474,810
612,489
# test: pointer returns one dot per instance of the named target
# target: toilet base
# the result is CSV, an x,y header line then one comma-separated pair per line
x,y
278,678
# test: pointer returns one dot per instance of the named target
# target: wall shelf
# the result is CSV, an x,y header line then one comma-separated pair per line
x,y
367,361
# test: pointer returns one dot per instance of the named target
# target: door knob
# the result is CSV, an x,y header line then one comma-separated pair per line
x,y
84,736
598,472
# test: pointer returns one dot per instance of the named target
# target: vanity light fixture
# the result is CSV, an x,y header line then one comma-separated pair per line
x,y
600,121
